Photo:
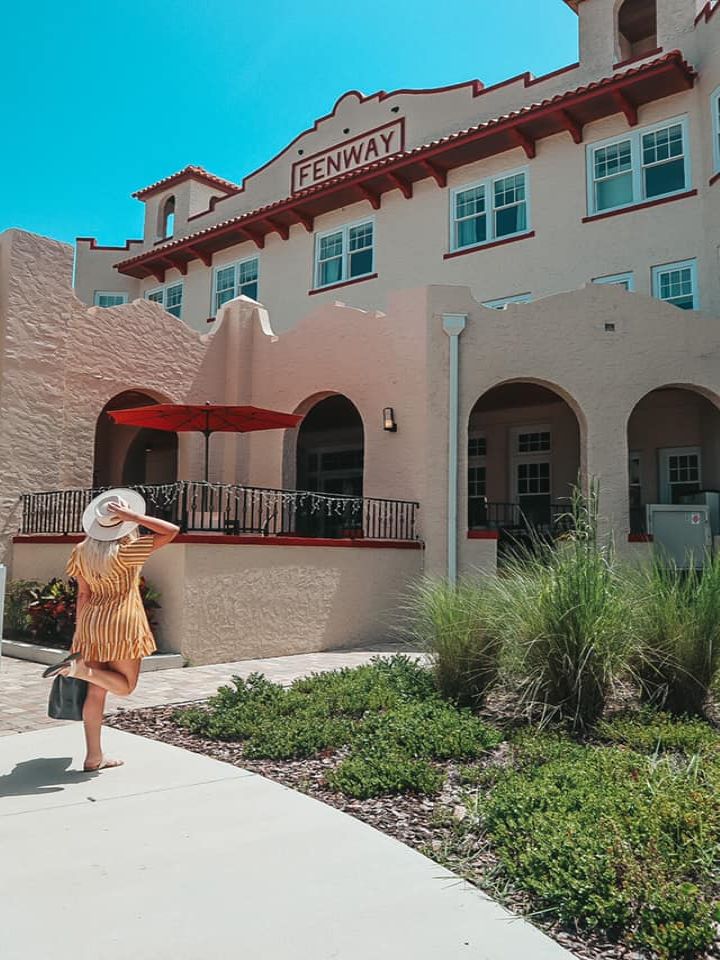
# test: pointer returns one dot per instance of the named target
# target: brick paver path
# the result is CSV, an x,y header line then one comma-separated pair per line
x,y
23,692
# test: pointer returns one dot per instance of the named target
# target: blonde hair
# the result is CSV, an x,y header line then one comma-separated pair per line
x,y
98,556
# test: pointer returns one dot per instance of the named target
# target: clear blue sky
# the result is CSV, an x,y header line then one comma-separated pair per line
x,y
101,97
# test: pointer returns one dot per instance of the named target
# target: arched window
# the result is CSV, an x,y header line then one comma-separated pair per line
x,y
167,218
636,28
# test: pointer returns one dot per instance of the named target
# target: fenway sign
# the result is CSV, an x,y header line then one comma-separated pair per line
x,y
346,156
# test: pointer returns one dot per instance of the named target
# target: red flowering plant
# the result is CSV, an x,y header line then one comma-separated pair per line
x,y
51,611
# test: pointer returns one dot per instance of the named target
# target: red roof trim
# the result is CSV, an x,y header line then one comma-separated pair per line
x,y
343,283
542,112
714,180
94,245
188,173
479,247
639,206
483,535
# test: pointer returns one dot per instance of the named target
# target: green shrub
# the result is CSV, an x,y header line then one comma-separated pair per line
x,y
363,775
296,737
16,620
611,840
381,684
562,614
431,730
450,624
653,732
677,622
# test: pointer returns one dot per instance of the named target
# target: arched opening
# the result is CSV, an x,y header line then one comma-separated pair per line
x,y
329,459
167,219
673,453
132,455
636,28
524,458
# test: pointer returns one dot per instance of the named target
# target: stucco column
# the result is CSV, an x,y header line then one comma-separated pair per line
x,y
607,460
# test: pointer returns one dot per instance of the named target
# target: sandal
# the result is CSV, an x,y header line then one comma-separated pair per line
x,y
105,764
68,661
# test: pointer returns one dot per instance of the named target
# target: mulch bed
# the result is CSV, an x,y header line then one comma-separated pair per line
x,y
424,823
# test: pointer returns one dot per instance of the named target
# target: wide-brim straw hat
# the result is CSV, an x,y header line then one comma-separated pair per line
x,y
100,523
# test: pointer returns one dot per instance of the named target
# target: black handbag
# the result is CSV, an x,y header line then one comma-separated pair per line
x,y
67,697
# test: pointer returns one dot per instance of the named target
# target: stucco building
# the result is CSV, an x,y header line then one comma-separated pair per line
x,y
473,295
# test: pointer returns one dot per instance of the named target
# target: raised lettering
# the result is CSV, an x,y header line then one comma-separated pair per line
x,y
386,138
318,168
334,163
352,155
304,173
372,150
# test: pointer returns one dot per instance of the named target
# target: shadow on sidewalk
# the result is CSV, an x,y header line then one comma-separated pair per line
x,y
41,776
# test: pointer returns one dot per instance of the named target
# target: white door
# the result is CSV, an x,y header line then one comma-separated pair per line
x,y
531,473
680,472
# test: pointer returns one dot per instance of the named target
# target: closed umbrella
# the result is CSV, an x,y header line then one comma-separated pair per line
x,y
205,418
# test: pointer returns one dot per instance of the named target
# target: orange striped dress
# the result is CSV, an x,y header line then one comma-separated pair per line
x,y
113,624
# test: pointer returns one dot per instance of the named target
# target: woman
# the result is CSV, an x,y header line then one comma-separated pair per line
x,y
112,633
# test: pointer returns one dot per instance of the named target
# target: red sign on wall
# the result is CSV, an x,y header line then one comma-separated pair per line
x,y
346,156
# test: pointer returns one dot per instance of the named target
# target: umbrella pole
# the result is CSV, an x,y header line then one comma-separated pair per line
x,y
207,453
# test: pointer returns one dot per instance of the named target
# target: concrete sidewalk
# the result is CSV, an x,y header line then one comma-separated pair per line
x,y
179,857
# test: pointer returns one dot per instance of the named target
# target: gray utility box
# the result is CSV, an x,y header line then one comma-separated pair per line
x,y
712,499
681,532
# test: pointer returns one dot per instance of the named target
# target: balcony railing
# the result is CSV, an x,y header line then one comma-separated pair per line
x,y
510,518
232,509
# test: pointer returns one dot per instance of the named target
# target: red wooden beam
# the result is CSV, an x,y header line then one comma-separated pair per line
x,y
157,272
404,185
524,141
571,125
374,198
438,175
307,221
180,265
257,238
201,255
627,107
280,228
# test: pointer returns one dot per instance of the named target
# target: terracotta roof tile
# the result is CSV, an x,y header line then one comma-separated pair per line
x,y
415,152
190,172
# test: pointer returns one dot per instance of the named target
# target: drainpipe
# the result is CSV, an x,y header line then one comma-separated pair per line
x,y
453,325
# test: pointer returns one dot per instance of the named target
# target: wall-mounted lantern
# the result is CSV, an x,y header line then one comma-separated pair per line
x,y
389,423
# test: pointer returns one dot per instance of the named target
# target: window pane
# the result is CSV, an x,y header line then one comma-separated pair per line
x,y
676,287
533,442
472,231
664,178
330,246
331,271
510,220
470,202
360,263
477,447
222,296
249,289
247,271
225,278
615,192
156,296
173,300
361,236
662,144
109,299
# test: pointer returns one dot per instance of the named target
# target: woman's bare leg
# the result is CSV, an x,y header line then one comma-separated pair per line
x,y
116,676
93,711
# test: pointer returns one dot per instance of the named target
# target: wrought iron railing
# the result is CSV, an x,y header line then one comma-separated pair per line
x,y
233,509
511,518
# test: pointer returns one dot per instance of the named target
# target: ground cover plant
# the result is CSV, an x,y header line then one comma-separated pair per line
x,y
610,840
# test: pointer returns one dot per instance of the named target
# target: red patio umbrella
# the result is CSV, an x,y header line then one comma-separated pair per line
x,y
205,418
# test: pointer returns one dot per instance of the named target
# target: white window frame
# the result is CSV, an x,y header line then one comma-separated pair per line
x,y
635,137
109,293
680,265
715,107
235,264
504,301
530,456
618,278
664,455
164,290
489,185
345,230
